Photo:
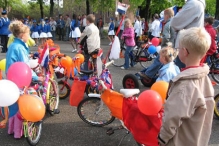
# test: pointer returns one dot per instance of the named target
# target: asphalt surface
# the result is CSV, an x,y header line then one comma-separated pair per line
x,y
67,129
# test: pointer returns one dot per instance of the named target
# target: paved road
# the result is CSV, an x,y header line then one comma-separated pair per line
x,y
67,129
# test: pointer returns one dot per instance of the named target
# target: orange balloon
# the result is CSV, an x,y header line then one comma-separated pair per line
x,y
31,108
80,58
66,62
161,87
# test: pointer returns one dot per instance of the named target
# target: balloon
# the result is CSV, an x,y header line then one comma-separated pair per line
x,y
3,64
80,58
155,41
66,62
149,102
158,49
161,87
31,108
9,93
33,63
152,49
20,73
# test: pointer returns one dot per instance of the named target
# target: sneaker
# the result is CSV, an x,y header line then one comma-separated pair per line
x,y
123,68
110,43
74,50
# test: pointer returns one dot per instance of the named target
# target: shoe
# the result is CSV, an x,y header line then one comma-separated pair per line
x,y
123,68
144,76
110,44
74,50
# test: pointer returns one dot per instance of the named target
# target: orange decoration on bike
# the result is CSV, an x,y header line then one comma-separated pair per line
x,y
114,102
161,87
31,108
79,59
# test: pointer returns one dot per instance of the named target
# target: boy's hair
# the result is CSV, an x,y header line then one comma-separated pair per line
x,y
127,20
91,18
168,53
209,20
169,12
196,40
17,27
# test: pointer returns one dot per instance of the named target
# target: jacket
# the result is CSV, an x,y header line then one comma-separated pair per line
x,y
168,34
129,36
4,24
191,15
48,28
138,28
111,27
188,111
73,24
93,37
34,28
155,28
18,52
168,72
61,23
213,35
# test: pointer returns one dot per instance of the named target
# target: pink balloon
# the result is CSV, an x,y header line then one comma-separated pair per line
x,y
155,41
20,74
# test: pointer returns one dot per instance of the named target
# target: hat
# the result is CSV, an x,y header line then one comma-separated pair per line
x,y
4,12
34,21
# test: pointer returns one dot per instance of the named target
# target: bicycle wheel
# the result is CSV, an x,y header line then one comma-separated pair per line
x,y
121,60
89,90
94,112
214,70
130,81
216,106
53,95
64,90
33,132
145,59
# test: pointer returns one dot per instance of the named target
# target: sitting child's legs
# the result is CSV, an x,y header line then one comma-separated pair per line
x,y
153,68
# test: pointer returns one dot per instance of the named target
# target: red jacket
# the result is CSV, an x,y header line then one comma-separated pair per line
x,y
213,34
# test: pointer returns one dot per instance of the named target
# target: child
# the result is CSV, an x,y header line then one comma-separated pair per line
x,y
34,30
129,37
209,28
111,32
18,52
43,32
169,69
49,34
188,111
75,32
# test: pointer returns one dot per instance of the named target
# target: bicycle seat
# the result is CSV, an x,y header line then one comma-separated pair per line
x,y
87,72
129,92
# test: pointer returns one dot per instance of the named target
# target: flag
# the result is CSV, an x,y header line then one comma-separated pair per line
x,y
122,8
44,57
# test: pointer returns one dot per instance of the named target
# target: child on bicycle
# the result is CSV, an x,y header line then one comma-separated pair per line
x,y
169,69
17,52
210,29
188,111
129,38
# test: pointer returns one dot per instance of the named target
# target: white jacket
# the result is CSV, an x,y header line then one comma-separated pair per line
x,y
138,28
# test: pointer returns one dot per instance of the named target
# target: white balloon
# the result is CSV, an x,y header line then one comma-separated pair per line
x,y
158,49
33,63
9,93
116,13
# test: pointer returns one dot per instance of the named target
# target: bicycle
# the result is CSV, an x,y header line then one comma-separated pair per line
x,y
214,65
92,110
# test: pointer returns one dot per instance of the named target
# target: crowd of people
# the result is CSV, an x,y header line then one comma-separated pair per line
x,y
185,44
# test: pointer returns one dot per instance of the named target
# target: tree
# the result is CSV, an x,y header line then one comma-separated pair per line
x,y
87,7
51,8
217,10
41,7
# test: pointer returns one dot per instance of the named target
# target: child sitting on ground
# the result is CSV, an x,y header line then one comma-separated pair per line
x,y
188,111
169,69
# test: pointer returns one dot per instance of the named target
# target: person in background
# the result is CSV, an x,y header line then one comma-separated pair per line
x,y
144,25
75,33
149,28
121,27
34,30
53,25
129,38
67,27
155,27
60,28
49,34
116,24
43,31
4,32
137,28
111,32
100,25
83,23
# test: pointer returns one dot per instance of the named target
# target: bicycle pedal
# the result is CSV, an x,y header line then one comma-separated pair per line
x,y
56,111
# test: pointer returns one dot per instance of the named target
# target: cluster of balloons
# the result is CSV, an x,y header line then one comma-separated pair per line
x,y
19,75
150,102
155,42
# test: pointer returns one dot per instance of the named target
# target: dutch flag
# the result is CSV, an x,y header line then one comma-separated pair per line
x,y
122,8
44,57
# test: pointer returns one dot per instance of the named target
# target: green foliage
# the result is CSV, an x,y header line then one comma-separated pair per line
x,y
210,7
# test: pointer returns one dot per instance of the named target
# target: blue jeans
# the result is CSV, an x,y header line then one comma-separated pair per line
x,y
153,69
67,33
179,63
86,57
127,52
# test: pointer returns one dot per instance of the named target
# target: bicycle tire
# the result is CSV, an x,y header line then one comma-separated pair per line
x,y
91,119
130,81
36,129
146,61
53,97
89,90
65,92
216,106
214,70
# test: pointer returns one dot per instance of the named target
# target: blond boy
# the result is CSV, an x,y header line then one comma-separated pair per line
x,y
188,111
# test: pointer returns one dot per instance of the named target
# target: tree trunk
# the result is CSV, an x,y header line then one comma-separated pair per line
x,y
217,10
147,7
88,7
5,4
41,7
51,8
